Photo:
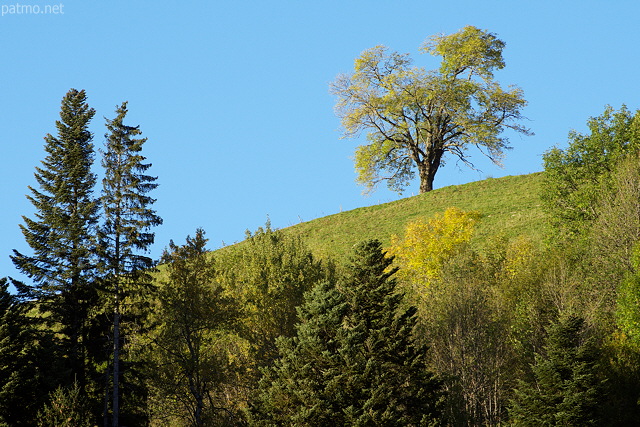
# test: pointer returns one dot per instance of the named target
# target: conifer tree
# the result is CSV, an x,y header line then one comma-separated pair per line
x,y
12,337
20,377
126,234
67,407
62,236
354,360
300,387
566,390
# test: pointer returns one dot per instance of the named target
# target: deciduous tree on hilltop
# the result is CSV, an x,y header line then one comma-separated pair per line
x,y
413,117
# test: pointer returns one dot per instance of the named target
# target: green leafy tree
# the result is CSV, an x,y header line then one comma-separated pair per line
x,y
613,290
354,360
566,389
466,315
414,117
62,236
616,228
196,317
577,176
269,273
623,351
126,234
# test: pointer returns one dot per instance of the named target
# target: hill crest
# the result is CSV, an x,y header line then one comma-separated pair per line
x,y
510,206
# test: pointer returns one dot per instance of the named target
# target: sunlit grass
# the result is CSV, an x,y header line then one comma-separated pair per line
x,y
510,207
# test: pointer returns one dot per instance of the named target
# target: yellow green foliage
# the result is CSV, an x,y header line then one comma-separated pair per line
x,y
519,257
427,245
414,118
628,303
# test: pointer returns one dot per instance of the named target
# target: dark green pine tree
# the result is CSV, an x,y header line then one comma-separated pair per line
x,y
565,390
387,381
62,237
126,234
23,363
297,390
354,360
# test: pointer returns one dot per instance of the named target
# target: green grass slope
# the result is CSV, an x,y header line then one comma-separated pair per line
x,y
510,207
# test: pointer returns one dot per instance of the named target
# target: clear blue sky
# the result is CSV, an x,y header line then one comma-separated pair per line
x,y
234,99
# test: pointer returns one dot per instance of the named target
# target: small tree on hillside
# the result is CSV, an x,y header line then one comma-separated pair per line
x,y
194,313
428,245
277,269
414,117
576,177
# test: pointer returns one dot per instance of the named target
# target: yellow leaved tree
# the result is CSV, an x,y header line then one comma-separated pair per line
x,y
427,245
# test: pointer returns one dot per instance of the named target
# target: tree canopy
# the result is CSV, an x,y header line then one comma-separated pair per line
x,y
578,175
427,245
413,117
193,313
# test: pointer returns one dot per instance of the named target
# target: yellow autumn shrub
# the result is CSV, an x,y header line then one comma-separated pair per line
x,y
428,244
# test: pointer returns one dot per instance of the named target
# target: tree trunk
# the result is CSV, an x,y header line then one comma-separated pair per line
x,y
427,169
116,361
116,331
427,174
426,183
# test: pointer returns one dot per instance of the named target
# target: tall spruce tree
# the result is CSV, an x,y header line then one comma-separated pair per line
x,y
62,237
354,360
126,234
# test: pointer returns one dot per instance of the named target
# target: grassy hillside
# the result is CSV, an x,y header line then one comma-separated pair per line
x,y
510,206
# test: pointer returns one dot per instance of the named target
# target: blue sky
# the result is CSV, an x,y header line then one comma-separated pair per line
x,y
234,99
